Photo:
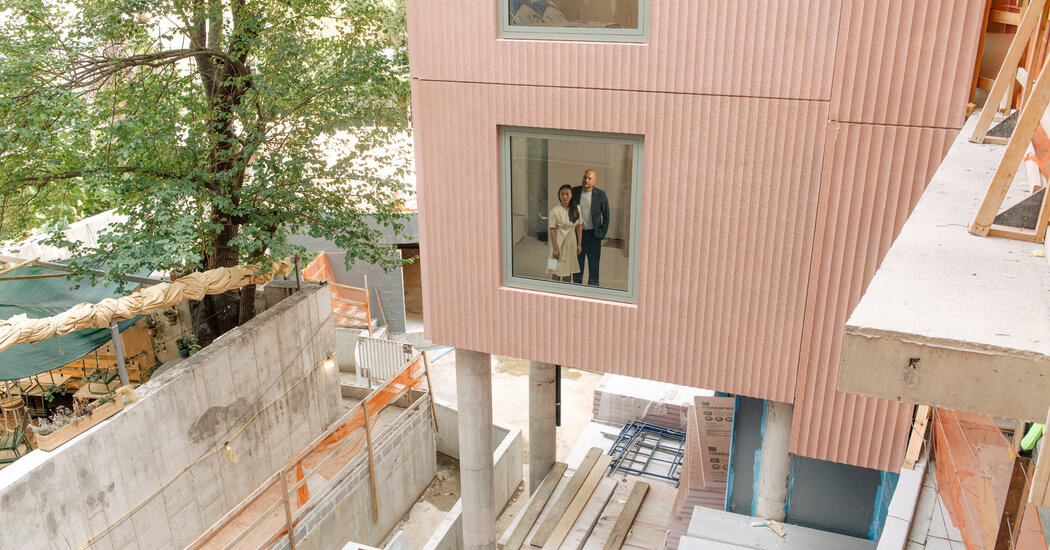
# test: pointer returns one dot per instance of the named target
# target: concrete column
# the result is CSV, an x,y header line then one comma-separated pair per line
x,y
774,473
474,400
543,435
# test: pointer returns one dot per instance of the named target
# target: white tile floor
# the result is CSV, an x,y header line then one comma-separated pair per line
x,y
932,527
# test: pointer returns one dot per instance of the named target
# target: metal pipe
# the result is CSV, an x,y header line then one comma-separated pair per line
x,y
557,395
118,350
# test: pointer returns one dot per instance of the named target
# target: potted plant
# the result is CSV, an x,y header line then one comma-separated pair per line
x,y
171,316
187,345
65,423
151,326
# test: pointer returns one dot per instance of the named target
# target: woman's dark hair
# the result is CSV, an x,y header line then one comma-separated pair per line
x,y
574,211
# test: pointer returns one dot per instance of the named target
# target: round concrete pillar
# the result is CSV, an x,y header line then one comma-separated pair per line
x,y
474,401
543,435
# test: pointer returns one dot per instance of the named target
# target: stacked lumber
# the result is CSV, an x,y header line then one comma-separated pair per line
x,y
693,489
622,399
585,509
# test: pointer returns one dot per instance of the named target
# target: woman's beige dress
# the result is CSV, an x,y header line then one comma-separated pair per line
x,y
565,236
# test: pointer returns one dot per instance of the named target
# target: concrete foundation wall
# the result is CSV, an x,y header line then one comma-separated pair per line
x,y
405,463
147,471
508,457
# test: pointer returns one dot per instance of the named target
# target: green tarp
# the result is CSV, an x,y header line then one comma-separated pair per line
x,y
38,298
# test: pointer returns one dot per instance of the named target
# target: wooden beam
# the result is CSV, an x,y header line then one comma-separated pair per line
x,y
918,436
1006,17
539,500
66,268
18,265
977,81
1013,508
430,390
25,277
562,504
287,513
1008,71
568,518
371,462
1015,150
627,515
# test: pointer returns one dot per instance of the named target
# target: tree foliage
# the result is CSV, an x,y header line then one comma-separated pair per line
x,y
217,128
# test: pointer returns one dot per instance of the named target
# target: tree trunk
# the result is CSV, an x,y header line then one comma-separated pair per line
x,y
247,312
223,310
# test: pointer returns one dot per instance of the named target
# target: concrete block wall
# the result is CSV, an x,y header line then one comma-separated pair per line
x,y
508,457
390,284
405,463
145,479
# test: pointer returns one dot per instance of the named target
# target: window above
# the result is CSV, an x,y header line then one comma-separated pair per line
x,y
571,205
588,20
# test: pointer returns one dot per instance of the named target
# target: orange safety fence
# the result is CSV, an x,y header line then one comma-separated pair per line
x,y
350,304
276,507
975,463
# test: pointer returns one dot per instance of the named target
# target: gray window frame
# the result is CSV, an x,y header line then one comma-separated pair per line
x,y
639,35
507,220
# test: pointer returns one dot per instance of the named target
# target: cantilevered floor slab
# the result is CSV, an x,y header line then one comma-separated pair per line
x,y
952,319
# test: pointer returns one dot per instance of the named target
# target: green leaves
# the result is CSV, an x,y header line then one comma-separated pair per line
x,y
217,127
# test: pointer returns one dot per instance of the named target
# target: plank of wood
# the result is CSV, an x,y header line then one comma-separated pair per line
x,y
592,512
1007,72
1013,507
371,462
566,521
1006,17
566,497
623,523
536,504
1015,150
918,435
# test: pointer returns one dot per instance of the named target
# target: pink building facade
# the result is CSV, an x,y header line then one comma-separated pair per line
x,y
785,143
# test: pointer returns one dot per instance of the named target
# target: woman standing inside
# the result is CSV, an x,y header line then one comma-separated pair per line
x,y
566,229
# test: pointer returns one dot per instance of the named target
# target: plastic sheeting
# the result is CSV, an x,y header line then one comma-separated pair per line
x,y
39,298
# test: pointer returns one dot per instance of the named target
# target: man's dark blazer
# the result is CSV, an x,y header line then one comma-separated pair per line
x,y
599,209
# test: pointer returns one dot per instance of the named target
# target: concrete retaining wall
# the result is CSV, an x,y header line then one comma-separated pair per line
x,y
147,471
405,463
508,459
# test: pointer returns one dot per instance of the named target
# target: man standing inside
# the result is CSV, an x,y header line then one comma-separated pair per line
x,y
594,210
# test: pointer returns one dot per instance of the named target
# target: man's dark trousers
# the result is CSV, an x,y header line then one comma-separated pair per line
x,y
591,250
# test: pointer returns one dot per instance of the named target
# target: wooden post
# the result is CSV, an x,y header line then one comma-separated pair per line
x,y
379,302
1008,72
368,307
1013,509
371,462
287,510
918,435
1004,175
430,390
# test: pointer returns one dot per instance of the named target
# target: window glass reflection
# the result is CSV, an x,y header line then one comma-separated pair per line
x,y
601,14
570,209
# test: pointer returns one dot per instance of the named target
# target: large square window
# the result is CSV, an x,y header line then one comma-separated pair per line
x,y
596,20
571,202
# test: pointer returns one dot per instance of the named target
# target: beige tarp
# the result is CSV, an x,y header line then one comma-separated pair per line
x,y
144,300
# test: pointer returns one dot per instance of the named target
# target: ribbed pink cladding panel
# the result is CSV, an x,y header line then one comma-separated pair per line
x,y
763,48
729,207
906,62
864,202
